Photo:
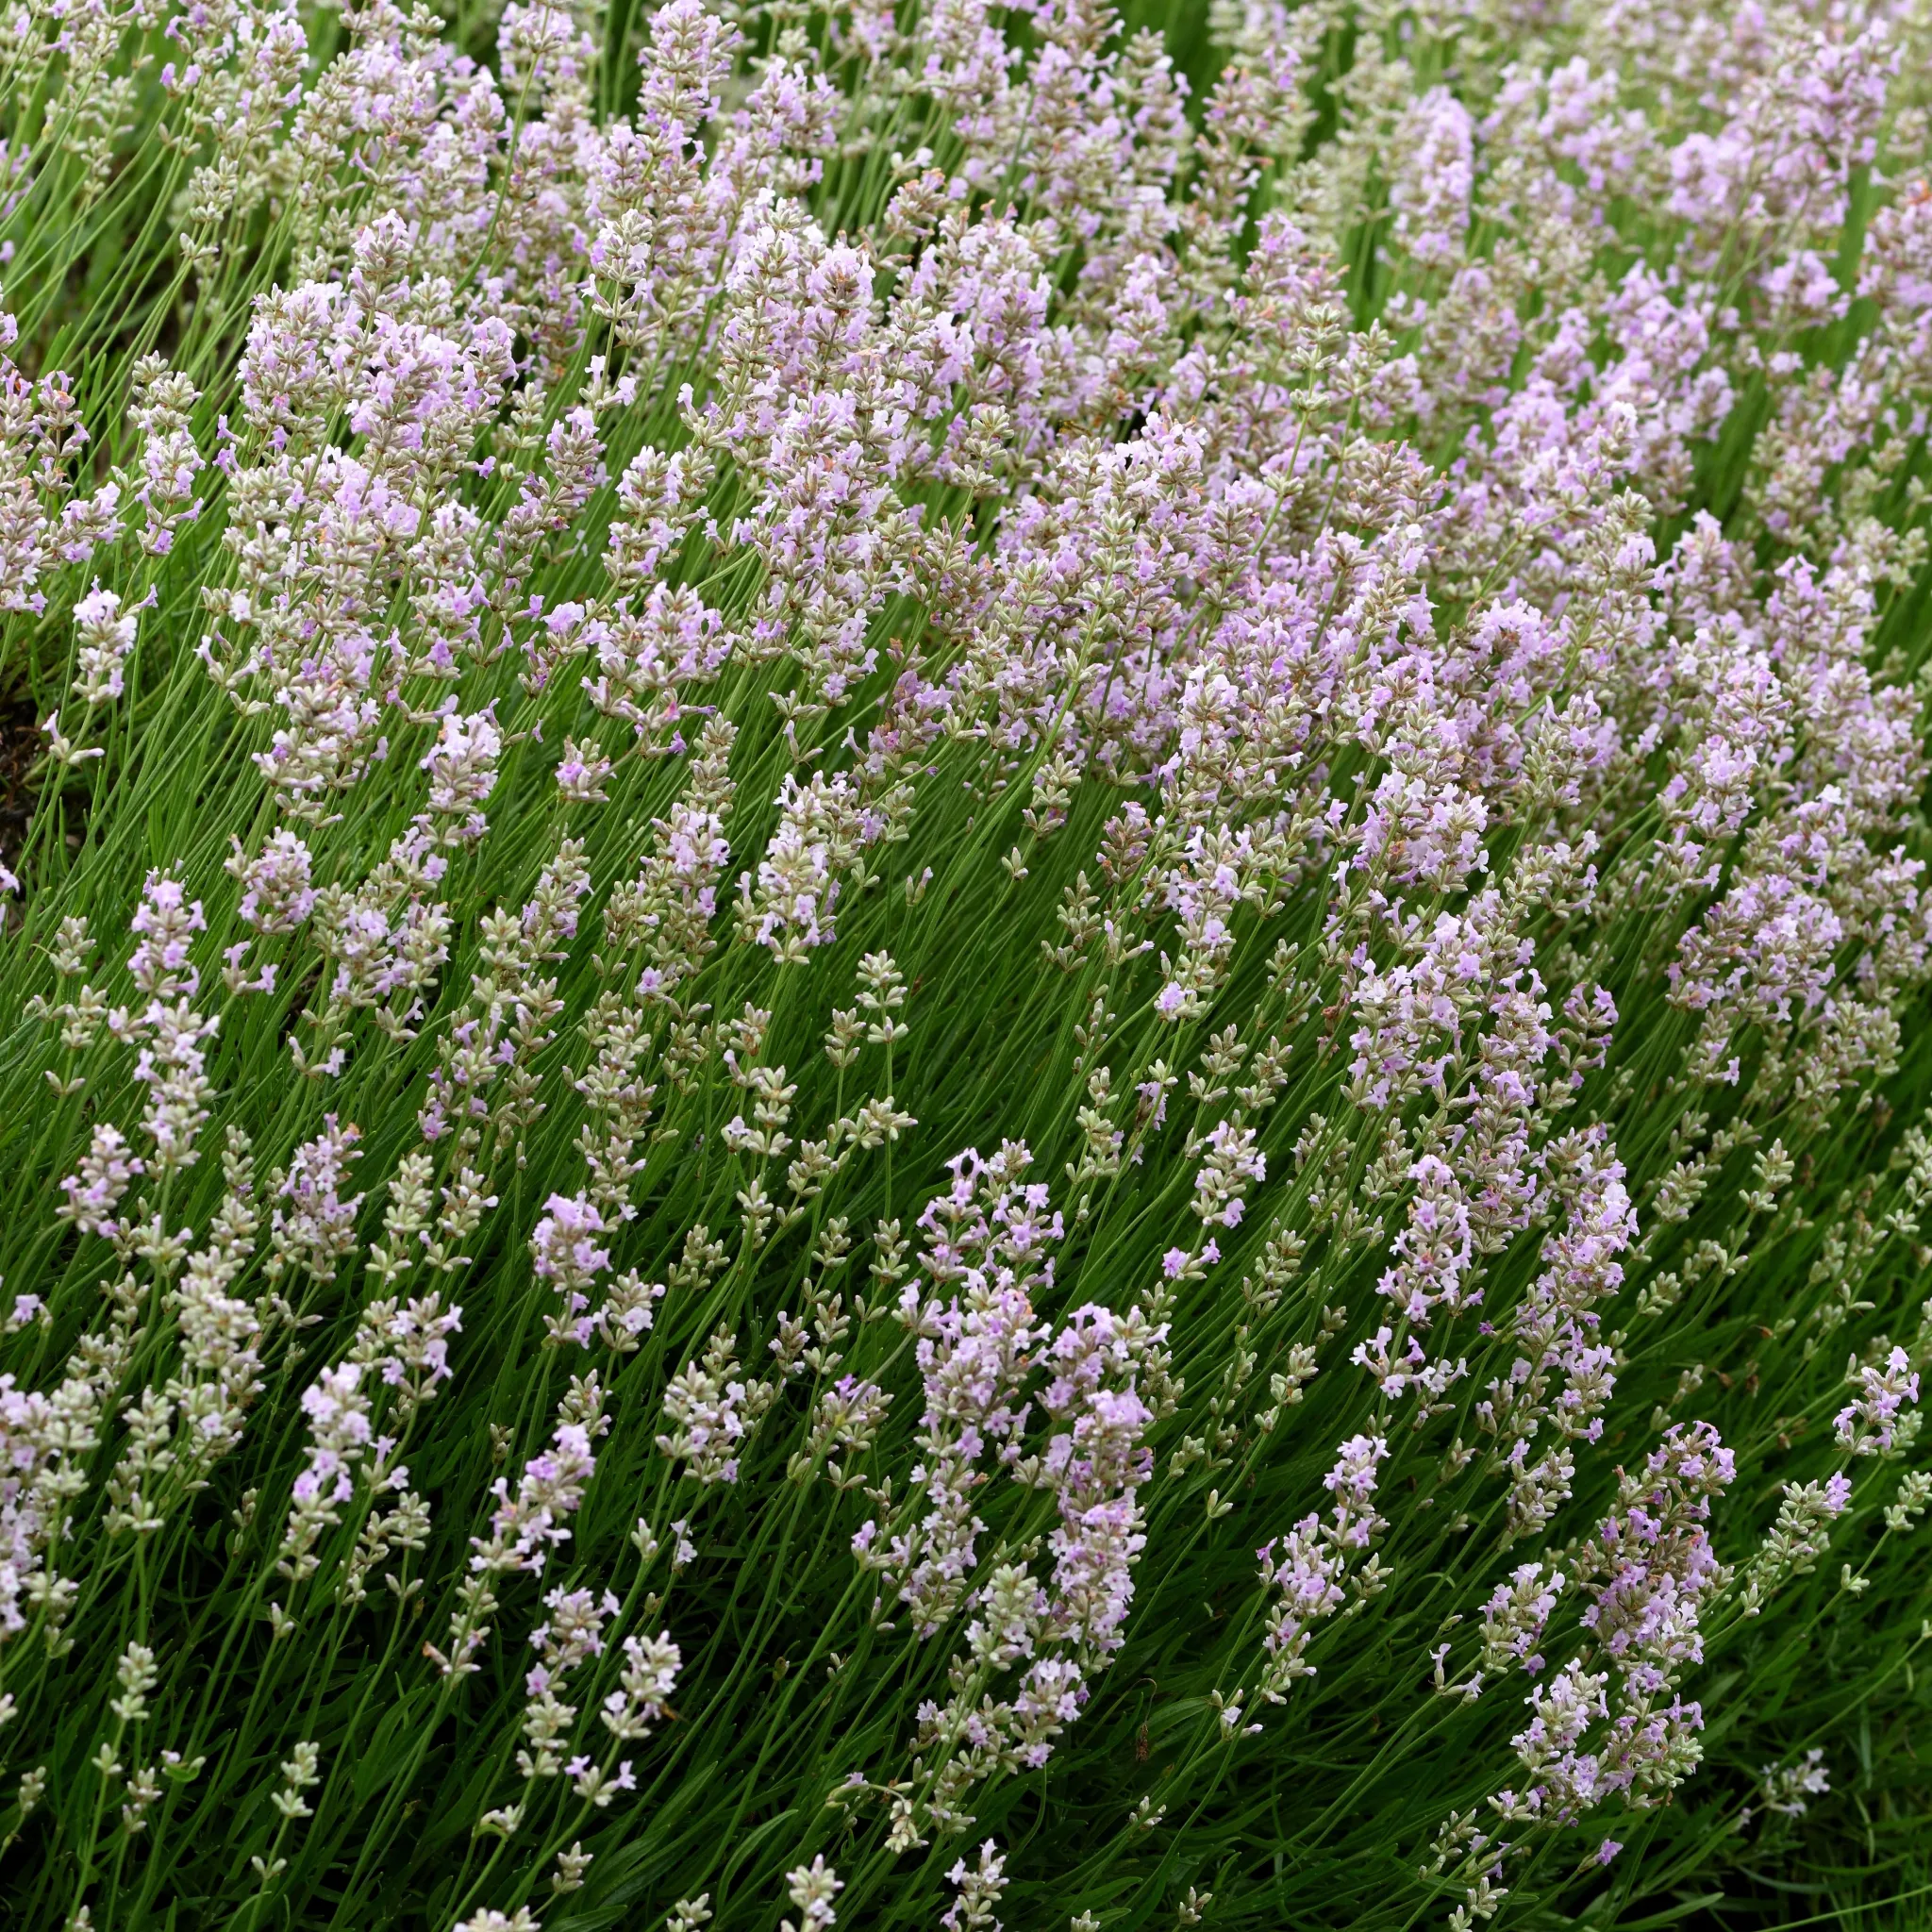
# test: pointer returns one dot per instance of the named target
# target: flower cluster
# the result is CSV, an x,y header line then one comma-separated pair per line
x,y
1060,870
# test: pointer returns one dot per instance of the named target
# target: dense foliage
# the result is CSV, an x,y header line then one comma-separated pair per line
x,y
964,962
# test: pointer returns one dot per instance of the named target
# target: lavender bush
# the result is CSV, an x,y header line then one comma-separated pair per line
x,y
966,963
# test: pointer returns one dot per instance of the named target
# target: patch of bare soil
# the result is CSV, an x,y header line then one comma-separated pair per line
x,y
19,751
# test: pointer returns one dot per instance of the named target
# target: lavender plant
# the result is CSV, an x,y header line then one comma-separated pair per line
x,y
965,962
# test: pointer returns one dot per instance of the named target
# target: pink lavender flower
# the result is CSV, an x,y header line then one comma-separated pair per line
x,y
988,1235
1314,1562
1094,1463
104,640
313,1227
1871,1425
712,1409
528,1524
1431,194
820,834
106,1171
564,1252
278,894
166,922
